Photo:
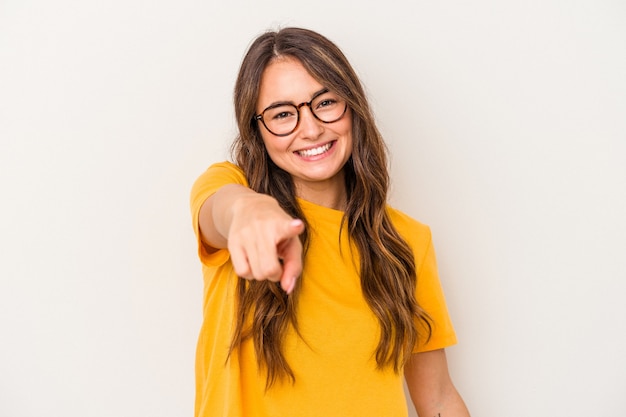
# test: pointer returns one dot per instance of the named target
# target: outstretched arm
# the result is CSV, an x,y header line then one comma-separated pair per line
x,y
431,387
262,239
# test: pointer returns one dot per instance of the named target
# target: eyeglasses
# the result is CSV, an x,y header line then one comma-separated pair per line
x,y
282,119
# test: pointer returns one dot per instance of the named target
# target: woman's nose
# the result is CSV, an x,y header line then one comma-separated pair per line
x,y
310,127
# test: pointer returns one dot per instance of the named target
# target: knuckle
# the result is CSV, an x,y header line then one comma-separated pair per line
x,y
242,271
271,272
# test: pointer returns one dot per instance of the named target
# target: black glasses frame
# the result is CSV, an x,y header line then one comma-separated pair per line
x,y
298,107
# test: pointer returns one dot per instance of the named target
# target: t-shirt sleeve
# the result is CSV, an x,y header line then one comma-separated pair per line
x,y
215,177
431,298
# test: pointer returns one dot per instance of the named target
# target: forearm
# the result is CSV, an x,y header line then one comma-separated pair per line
x,y
450,405
431,387
218,211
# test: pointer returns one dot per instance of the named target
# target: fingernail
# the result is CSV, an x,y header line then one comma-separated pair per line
x,y
292,285
296,222
286,285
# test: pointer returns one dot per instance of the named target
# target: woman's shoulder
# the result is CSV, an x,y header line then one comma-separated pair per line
x,y
226,166
225,172
214,177
401,219
414,231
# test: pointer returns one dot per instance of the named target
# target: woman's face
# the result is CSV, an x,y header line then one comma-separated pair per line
x,y
315,153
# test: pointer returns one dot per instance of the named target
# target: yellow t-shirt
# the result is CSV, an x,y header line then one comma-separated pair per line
x,y
333,361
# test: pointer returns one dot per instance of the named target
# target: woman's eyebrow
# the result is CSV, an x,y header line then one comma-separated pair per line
x,y
319,93
281,103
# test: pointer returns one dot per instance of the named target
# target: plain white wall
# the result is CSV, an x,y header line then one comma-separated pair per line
x,y
506,123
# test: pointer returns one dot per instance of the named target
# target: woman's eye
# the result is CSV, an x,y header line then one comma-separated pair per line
x,y
325,103
282,115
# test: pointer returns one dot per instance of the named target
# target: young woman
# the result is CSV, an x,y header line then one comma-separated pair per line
x,y
318,296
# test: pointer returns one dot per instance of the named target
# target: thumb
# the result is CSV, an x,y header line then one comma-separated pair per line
x,y
295,227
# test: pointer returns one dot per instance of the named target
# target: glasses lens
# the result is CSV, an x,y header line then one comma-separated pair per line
x,y
328,107
281,119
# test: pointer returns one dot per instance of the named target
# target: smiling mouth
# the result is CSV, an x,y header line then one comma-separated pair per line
x,y
315,151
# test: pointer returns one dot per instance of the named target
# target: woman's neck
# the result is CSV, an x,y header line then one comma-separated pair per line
x,y
331,194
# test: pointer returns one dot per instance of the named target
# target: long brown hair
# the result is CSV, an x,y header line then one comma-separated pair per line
x,y
387,268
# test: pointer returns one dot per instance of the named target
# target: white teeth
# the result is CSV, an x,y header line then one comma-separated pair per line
x,y
315,151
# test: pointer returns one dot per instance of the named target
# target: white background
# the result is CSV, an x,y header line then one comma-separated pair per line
x,y
506,122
